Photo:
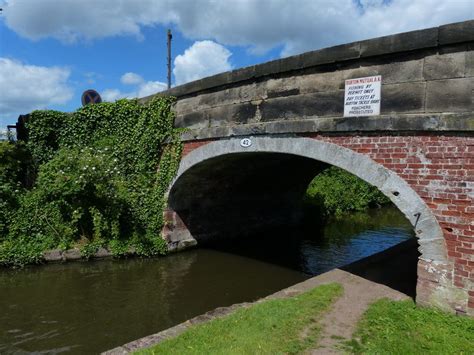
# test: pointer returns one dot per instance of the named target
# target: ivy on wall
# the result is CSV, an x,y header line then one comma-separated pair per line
x,y
96,178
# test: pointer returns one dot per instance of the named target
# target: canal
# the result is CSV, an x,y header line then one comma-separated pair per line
x,y
89,307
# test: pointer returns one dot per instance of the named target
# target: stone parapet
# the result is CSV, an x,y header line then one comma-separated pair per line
x,y
431,39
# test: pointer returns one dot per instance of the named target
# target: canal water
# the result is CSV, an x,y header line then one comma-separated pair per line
x,y
89,307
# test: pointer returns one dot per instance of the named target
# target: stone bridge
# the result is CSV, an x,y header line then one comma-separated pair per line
x,y
258,135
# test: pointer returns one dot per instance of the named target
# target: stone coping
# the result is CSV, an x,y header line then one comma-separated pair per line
x,y
435,37
450,122
58,255
74,254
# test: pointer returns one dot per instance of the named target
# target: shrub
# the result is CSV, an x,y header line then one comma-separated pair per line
x,y
13,159
335,191
100,178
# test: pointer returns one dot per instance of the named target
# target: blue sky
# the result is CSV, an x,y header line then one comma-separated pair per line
x,y
53,50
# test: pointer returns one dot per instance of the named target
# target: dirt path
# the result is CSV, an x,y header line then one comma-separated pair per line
x,y
339,323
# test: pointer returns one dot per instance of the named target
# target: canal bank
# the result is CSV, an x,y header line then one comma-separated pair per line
x,y
340,322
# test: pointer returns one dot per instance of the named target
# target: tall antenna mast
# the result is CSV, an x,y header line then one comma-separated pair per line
x,y
169,58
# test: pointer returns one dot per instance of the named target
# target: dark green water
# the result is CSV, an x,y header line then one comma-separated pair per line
x,y
91,307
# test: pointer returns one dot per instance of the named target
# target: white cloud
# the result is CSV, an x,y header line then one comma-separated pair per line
x,y
296,26
150,88
70,20
142,88
203,58
112,95
131,79
29,87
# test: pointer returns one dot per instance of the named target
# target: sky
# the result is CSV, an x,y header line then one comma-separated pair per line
x,y
51,51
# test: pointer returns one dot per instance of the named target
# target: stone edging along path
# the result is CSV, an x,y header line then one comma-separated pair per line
x,y
351,284
340,320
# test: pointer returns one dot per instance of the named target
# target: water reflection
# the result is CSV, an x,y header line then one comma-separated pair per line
x,y
89,307
315,249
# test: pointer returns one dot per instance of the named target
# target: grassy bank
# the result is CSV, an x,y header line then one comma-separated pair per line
x,y
390,327
291,326
275,326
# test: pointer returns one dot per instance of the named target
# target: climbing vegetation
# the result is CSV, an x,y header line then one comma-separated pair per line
x,y
89,179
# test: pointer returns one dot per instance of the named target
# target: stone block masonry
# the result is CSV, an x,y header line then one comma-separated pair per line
x,y
426,76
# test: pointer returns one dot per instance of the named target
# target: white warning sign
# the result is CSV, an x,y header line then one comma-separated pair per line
x,y
362,96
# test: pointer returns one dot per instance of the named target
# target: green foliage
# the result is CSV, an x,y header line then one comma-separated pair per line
x,y
279,326
119,247
390,327
89,249
44,129
13,158
101,175
335,191
24,250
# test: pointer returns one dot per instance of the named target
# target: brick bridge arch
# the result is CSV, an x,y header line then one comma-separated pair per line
x,y
419,149
429,233
343,153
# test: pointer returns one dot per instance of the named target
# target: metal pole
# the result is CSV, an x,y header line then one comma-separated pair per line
x,y
169,58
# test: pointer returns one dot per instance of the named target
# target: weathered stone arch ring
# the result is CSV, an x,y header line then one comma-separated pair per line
x,y
430,236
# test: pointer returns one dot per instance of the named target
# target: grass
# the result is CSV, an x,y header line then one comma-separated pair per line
x,y
390,327
272,327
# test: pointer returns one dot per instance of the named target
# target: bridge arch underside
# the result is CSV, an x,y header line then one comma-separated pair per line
x,y
224,189
235,195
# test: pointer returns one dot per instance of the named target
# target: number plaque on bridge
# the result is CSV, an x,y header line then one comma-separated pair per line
x,y
246,142
362,96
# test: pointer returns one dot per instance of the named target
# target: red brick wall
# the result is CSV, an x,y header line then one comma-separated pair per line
x,y
190,146
441,170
